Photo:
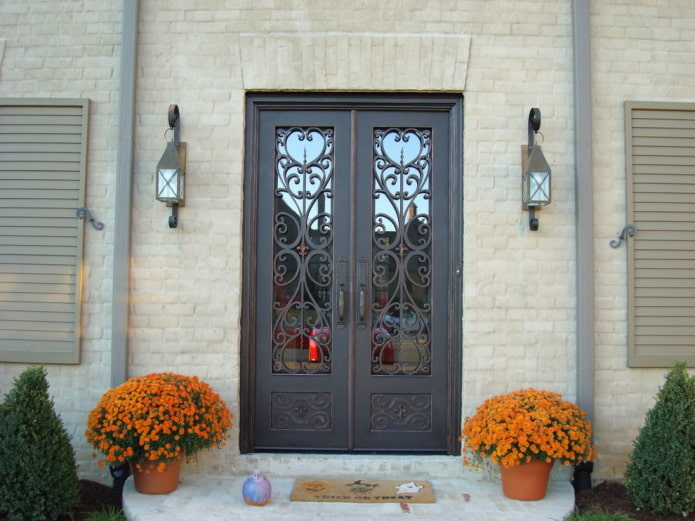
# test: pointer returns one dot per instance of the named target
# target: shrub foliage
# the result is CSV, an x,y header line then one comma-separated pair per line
x,y
660,474
38,475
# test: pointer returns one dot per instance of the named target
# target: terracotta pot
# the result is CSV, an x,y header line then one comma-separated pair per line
x,y
148,480
528,481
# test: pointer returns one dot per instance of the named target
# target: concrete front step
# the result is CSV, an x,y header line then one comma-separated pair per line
x,y
207,498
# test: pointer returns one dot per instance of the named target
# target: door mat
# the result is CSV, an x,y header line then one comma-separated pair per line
x,y
362,491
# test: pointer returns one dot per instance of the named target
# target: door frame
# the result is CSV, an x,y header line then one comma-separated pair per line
x,y
258,102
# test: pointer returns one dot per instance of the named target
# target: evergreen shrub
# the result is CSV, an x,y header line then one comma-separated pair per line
x,y
660,474
38,475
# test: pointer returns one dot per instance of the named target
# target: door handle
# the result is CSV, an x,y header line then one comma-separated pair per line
x,y
361,293
341,304
362,304
341,278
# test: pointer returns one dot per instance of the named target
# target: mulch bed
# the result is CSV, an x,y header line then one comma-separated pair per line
x,y
612,497
94,497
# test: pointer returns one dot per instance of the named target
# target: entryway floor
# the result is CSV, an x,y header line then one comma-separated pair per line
x,y
218,498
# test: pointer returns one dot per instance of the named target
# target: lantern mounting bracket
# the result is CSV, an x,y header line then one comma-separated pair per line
x,y
535,177
174,121
171,169
534,125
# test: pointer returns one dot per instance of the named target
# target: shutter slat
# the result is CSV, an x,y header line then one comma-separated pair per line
x,y
656,313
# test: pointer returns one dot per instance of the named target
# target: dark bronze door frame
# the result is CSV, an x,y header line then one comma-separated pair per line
x,y
352,263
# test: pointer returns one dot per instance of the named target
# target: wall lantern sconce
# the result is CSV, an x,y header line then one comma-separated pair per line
x,y
171,169
535,176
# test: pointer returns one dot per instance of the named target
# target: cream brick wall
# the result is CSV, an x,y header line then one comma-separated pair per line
x,y
506,56
71,49
645,52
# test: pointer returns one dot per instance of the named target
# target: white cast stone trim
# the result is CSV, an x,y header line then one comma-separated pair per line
x,y
354,61
2,52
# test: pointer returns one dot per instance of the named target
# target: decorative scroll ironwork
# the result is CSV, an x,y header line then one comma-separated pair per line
x,y
84,213
302,250
401,251
401,412
629,230
300,411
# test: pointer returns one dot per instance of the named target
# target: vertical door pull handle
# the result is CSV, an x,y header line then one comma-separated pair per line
x,y
363,304
341,273
362,293
341,304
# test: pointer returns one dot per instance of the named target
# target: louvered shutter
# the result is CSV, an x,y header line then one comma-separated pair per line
x,y
661,256
42,172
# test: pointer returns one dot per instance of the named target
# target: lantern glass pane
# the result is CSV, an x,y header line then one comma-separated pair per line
x,y
168,184
538,188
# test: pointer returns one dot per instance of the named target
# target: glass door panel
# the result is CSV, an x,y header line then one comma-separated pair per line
x,y
303,250
401,243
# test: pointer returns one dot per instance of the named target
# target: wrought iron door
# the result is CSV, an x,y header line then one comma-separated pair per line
x,y
351,315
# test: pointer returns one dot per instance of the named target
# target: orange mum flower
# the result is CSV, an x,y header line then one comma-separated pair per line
x,y
157,417
524,425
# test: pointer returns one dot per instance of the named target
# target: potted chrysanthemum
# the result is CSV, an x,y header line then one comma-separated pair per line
x,y
152,422
524,431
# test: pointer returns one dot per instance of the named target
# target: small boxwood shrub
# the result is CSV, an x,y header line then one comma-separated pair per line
x,y
660,474
38,475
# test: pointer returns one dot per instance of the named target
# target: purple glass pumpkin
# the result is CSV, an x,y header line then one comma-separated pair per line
x,y
256,489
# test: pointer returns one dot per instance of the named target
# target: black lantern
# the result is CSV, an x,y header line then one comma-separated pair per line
x,y
535,176
171,169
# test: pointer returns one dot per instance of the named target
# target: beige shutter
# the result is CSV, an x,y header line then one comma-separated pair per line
x,y
42,172
661,256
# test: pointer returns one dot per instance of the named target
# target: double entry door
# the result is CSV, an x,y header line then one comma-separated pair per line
x,y
351,343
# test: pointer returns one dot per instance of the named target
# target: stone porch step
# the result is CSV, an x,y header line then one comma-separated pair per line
x,y
218,498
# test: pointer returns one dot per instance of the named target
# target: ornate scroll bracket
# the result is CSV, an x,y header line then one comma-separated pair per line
x,y
83,213
628,231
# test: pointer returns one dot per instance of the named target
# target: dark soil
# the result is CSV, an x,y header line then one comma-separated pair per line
x,y
612,497
94,497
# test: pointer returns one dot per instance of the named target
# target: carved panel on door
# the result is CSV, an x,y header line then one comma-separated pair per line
x,y
300,411
401,412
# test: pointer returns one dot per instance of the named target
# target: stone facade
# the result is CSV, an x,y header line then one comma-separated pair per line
x,y
504,56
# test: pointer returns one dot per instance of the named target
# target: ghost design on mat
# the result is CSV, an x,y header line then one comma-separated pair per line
x,y
408,488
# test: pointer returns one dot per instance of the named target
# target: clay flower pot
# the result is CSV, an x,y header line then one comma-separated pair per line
x,y
526,481
150,478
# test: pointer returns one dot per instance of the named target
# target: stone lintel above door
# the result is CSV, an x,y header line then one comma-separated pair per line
x,y
336,61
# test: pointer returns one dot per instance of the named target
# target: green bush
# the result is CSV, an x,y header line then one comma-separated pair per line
x,y
38,475
660,474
